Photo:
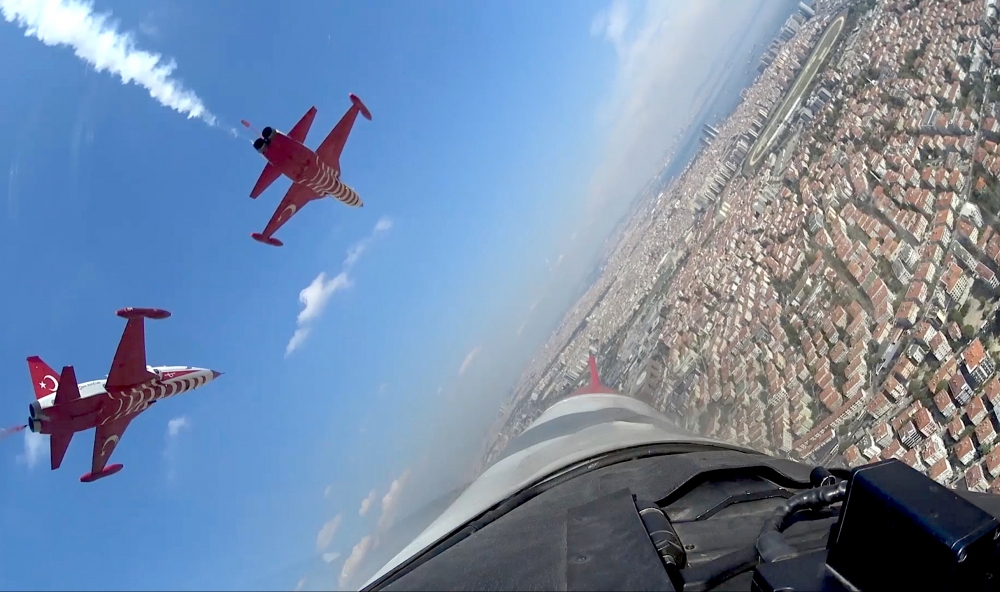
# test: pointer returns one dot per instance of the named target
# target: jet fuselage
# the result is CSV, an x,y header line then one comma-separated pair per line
x,y
304,167
96,406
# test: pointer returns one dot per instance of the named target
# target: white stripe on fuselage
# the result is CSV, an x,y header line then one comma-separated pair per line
x,y
139,398
326,181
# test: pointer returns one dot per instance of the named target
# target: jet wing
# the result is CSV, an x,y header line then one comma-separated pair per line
x,y
333,145
105,440
269,175
58,444
297,196
301,129
129,366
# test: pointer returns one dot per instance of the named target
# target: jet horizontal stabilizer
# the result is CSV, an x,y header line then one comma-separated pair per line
x,y
361,106
105,472
131,312
267,240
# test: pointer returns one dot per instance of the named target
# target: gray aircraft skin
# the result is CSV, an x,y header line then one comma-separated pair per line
x,y
592,421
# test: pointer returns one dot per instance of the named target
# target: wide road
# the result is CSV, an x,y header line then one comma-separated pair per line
x,y
819,53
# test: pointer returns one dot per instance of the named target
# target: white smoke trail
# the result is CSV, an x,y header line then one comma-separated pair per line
x,y
99,43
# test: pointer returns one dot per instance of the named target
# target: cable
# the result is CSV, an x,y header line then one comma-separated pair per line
x,y
771,545
820,477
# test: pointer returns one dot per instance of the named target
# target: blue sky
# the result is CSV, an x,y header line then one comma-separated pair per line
x,y
494,147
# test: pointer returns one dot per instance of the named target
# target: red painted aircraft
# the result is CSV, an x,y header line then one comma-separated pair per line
x,y
314,175
63,407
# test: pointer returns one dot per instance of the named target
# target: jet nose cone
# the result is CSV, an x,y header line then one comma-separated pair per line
x,y
216,374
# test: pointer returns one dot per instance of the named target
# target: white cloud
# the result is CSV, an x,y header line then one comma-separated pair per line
x,y
366,504
469,357
175,425
35,447
611,24
97,41
390,508
316,295
314,298
358,248
148,29
326,534
354,253
328,491
298,338
390,502
330,557
300,585
667,50
354,560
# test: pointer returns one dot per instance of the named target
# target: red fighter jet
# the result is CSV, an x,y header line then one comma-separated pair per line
x,y
63,407
314,175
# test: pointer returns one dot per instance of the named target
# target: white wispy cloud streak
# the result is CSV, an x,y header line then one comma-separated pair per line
x,y
316,295
390,502
353,561
469,357
366,504
611,24
174,427
314,298
96,40
665,50
326,534
35,447
358,249
389,509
